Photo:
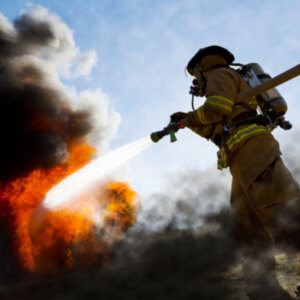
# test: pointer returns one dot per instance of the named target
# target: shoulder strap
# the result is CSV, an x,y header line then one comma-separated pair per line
x,y
245,105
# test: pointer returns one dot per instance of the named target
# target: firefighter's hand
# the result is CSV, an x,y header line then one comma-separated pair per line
x,y
182,123
176,117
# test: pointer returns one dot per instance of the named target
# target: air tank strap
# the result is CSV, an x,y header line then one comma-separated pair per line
x,y
247,118
245,105
244,116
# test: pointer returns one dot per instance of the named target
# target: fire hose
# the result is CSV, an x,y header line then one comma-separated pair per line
x,y
173,127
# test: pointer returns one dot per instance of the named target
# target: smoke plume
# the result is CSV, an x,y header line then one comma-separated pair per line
x,y
186,201
47,129
39,116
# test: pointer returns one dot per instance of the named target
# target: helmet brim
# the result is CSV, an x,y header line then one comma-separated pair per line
x,y
211,50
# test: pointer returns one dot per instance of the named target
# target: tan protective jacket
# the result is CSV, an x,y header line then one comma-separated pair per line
x,y
265,198
220,108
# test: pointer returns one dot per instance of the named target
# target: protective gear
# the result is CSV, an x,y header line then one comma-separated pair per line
x,y
194,89
223,85
178,116
270,102
201,83
220,108
202,130
265,206
264,187
265,198
211,50
181,123
206,64
205,59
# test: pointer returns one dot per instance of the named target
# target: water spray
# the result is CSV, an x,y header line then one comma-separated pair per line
x,y
63,193
66,190
77,182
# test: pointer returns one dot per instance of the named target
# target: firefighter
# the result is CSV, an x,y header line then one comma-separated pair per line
x,y
264,194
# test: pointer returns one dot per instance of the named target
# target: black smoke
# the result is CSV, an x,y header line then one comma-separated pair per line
x,y
173,264
29,35
36,123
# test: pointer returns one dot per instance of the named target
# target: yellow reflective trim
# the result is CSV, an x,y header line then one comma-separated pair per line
x,y
238,137
227,100
228,108
201,115
222,159
248,102
203,118
252,102
241,131
245,136
244,133
220,101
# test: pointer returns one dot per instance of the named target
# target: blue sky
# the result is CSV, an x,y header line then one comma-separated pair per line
x,y
143,47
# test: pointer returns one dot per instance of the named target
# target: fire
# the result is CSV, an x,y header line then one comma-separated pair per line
x,y
119,209
63,239
52,238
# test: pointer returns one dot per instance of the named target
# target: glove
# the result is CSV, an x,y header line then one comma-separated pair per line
x,y
176,117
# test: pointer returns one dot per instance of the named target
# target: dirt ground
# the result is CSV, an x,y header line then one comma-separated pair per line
x,y
287,268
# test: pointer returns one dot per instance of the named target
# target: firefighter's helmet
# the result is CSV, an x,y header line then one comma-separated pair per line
x,y
211,50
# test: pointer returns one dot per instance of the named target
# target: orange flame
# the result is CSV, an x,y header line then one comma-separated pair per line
x,y
61,240
120,210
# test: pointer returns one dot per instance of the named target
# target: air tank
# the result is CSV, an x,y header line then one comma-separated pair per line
x,y
269,102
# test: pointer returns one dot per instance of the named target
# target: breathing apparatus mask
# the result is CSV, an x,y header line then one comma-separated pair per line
x,y
203,61
198,86
199,83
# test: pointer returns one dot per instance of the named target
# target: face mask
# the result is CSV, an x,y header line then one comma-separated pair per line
x,y
201,80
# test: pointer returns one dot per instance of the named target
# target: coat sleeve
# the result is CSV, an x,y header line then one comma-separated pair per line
x,y
221,90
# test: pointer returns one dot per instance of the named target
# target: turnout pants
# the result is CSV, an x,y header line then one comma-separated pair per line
x,y
266,212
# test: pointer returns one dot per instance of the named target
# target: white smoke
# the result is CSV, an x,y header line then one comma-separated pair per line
x,y
104,119
187,199
6,28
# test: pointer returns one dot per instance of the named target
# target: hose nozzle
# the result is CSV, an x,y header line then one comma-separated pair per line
x,y
169,130
156,136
